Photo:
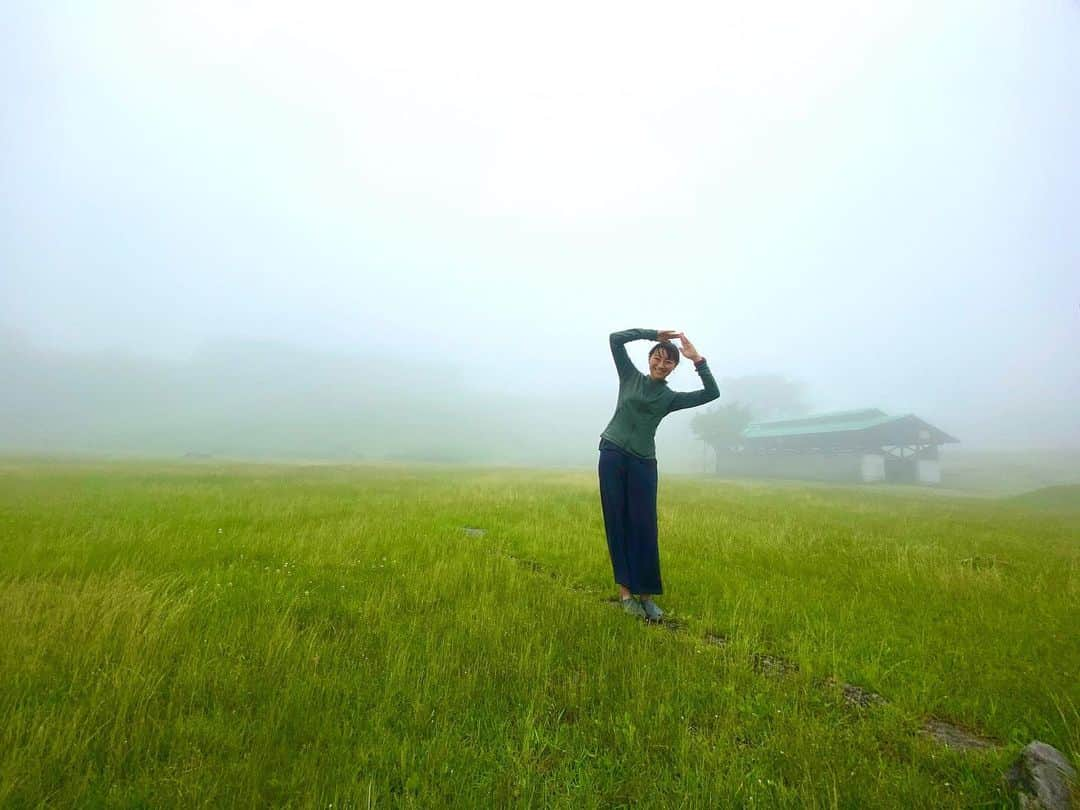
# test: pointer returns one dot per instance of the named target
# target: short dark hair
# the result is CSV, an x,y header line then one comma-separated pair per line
x,y
668,348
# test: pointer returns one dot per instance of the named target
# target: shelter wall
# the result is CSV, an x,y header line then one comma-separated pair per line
x,y
845,467
873,467
929,471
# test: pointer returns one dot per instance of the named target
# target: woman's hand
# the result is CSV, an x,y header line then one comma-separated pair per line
x,y
687,349
667,334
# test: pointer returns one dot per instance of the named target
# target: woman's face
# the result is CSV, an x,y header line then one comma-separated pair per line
x,y
660,365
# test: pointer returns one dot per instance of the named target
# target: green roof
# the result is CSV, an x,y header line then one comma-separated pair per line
x,y
834,422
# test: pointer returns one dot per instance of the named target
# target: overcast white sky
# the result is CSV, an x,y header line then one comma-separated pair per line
x,y
880,199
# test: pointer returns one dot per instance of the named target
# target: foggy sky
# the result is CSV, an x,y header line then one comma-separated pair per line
x,y
879,199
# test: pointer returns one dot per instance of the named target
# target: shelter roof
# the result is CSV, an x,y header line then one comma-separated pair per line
x,y
841,422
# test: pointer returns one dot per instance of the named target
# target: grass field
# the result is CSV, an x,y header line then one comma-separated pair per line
x,y
206,636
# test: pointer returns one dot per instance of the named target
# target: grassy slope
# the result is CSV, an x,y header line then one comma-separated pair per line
x,y
1008,472
204,635
1065,498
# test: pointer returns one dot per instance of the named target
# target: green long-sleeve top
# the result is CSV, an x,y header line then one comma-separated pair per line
x,y
643,401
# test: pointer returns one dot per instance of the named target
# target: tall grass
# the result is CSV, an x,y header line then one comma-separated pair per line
x,y
202,635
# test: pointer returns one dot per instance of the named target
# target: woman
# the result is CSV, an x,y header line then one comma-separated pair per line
x,y
628,461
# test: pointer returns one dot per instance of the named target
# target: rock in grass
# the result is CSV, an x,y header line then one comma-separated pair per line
x,y
472,531
1043,777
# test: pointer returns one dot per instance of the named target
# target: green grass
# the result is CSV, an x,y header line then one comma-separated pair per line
x,y
208,635
1064,498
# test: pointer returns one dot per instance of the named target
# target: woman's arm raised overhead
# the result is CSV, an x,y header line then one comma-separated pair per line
x,y
691,399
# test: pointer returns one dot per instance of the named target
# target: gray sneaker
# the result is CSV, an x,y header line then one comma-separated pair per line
x,y
652,610
633,607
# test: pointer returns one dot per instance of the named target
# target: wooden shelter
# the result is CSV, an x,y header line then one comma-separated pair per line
x,y
863,445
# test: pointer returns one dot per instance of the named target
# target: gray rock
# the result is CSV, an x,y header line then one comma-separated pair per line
x,y
1043,777
472,531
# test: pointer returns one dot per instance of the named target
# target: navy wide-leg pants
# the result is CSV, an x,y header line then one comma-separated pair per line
x,y
628,497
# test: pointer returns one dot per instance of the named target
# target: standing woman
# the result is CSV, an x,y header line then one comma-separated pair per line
x,y
628,461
